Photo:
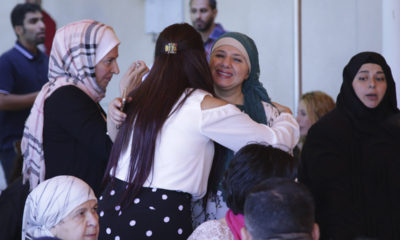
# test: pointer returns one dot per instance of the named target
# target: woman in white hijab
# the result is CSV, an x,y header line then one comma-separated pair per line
x,y
64,207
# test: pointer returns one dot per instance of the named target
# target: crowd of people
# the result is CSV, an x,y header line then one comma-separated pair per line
x,y
196,149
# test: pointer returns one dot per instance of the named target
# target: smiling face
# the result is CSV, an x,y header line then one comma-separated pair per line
x,y
82,223
106,68
370,84
228,68
202,15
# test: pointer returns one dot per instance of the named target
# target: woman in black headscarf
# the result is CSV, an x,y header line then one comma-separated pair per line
x,y
351,158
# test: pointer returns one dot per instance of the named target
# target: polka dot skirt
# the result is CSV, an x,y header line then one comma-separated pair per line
x,y
153,214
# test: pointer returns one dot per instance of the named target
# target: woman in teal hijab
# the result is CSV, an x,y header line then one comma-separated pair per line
x,y
235,69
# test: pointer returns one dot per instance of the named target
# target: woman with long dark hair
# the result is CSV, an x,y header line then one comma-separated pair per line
x,y
162,155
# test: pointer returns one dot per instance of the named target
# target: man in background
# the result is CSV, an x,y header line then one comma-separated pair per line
x,y
203,14
51,28
23,71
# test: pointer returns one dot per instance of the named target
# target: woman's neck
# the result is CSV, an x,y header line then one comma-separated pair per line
x,y
234,96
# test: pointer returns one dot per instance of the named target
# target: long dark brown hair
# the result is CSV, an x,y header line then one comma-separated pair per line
x,y
152,102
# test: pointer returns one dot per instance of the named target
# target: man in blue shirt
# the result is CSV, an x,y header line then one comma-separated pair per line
x,y
23,71
202,14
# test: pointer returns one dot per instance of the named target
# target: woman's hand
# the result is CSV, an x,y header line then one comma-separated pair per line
x,y
115,113
282,108
133,76
115,117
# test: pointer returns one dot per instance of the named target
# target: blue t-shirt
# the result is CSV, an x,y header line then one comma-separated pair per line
x,y
21,72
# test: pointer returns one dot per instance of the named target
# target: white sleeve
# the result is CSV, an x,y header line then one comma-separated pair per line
x,y
234,129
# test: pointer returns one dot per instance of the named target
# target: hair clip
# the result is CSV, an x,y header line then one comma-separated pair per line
x,y
171,48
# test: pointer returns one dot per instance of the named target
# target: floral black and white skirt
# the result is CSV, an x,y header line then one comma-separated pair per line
x,y
154,214
216,208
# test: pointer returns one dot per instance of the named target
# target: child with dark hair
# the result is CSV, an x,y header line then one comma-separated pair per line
x,y
251,165
279,208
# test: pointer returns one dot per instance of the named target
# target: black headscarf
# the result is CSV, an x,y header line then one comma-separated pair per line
x,y
361,116
372,151
350,162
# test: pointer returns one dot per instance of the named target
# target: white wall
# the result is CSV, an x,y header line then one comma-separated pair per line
x,y
7,37
332,31
391,39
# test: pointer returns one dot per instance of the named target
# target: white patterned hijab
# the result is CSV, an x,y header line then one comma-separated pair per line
x,y
50,202
77,48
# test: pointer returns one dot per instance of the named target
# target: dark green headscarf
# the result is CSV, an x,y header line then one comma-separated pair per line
x,y
252,88
253,92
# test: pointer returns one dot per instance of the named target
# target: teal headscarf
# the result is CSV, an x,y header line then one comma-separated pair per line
x,y
252,88
253,92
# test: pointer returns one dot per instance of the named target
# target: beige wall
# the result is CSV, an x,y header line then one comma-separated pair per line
x,y
333,31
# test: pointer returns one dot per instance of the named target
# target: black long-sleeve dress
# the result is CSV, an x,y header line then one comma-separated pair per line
x,y
74,136
351,163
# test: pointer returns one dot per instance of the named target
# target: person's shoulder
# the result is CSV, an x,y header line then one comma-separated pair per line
x,y
210,102
9,54
332,127
213,230
69,94
197,92
333,119
219,30
67,90
212,224
220,27
203,97
392,125
70,99
193,96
